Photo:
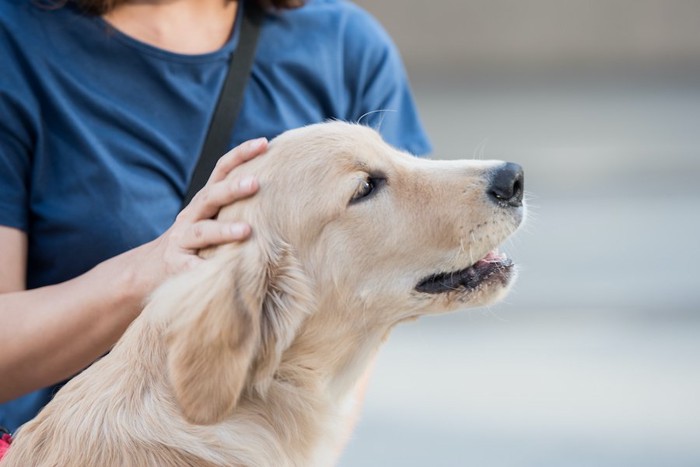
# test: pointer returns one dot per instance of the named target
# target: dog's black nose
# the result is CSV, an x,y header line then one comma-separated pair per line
x,y
507,185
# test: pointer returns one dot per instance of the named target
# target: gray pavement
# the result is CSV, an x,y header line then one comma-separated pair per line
x,y
593,360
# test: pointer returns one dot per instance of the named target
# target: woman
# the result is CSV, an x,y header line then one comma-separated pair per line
x,y
104,105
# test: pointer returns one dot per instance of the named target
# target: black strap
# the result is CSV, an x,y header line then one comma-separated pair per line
x,y
230,100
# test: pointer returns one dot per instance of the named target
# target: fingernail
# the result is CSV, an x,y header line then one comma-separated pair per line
x,y
246,182
239,230
257,143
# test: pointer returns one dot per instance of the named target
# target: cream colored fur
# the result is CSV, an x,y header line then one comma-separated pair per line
x,y
251,358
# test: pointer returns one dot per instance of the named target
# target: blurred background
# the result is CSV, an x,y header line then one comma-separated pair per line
x,y
594,358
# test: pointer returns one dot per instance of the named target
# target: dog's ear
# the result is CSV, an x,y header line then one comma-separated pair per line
x,y
288,300
213,330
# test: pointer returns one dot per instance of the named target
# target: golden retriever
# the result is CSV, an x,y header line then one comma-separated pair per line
x,y
251,358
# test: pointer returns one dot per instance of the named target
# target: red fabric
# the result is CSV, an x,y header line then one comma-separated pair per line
x,y
5,442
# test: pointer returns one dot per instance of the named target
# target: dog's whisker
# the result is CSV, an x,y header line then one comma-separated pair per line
x,y
493,312
372,112
480,149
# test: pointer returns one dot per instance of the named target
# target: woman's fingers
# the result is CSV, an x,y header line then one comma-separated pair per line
x,y
219,191
214,196
195,227
209,232
235,157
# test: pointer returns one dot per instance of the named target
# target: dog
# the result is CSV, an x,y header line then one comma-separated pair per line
x,y
252,357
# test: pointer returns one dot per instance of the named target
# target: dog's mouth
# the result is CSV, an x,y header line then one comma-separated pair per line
x,y
495,266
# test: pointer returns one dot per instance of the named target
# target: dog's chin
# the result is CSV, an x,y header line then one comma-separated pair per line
x,y
481,283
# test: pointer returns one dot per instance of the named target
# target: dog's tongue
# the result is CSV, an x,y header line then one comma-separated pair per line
x,y
493,256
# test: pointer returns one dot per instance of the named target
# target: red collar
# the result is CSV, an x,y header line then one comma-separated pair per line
x,y
5,441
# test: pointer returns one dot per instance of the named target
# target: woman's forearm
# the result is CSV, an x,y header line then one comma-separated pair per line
x,y
51,333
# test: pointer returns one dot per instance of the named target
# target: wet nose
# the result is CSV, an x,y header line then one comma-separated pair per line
x,y
507,185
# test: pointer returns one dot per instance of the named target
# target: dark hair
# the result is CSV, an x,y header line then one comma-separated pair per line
x,y
100,7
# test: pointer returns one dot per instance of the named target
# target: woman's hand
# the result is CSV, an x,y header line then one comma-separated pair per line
x,y
195,227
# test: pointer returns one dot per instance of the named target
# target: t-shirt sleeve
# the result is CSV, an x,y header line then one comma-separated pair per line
x,y
378,84
15,137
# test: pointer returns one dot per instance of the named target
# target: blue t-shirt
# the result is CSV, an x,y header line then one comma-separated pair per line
x,y
99,132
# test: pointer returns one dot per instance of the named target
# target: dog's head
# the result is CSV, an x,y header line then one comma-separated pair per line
x,y
350,237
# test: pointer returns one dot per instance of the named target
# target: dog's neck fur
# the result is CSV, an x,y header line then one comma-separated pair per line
x,y
337,355
322,369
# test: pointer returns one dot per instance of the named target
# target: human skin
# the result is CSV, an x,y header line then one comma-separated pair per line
x,y
180,26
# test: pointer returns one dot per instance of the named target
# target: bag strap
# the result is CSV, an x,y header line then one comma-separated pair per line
x,y
230,100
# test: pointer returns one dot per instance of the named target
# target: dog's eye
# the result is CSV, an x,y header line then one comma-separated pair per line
x,y
365,189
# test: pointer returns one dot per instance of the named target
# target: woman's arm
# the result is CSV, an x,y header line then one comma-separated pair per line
x,y
13,251
50,333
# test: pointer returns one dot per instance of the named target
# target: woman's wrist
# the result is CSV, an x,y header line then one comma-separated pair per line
x,y
131,282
